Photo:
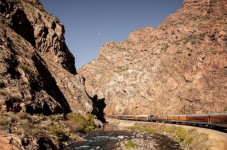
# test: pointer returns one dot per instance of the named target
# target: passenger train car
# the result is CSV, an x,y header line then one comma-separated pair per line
x,y
218,121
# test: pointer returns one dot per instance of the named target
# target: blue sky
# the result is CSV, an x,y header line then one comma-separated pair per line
x,y
89,24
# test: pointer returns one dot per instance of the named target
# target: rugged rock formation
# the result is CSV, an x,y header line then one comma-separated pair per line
x,y
29,19
37,79
180,67
26,83
37,69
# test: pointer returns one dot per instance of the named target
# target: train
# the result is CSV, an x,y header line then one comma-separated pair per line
x,y
217,121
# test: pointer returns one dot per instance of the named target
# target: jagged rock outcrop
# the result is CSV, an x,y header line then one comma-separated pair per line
x,y
29,19
180,67
37,71
38,82
26,83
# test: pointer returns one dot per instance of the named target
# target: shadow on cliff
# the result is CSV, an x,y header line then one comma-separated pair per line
x,y
23,26
50,86
99,106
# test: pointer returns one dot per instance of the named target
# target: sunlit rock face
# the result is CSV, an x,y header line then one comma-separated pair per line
x,y
180,67
37,72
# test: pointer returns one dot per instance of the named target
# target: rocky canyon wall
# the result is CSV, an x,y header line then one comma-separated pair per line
x,y
37,70
178,68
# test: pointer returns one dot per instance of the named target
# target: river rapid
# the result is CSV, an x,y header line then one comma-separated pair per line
x,y
124,140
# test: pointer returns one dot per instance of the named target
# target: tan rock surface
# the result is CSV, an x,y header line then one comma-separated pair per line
x,y
38,81
44,31
5,142
180,67
37,69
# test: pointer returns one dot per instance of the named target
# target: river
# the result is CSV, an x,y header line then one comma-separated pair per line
x,y
122,140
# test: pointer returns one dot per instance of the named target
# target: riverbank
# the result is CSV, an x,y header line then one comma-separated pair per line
x,y
190,137
125,140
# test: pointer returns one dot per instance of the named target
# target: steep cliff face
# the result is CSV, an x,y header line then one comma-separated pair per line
x,y
37,71
38,82
29,19
180,67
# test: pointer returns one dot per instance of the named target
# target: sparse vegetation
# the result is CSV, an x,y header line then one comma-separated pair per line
x,y
58,132
3,122
164,49
17,1
188,138
130,144
190,38
2,21
80,123
225,109
146,129
181,133
168,129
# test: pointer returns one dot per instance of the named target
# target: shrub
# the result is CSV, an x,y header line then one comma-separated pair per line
x,y
133,128
76,119
17,1
2,21
80,123
87,129
225,109
181,133
90,119
26,124
189,139
23,115
169,129
130,144
3,122
164,49
55,130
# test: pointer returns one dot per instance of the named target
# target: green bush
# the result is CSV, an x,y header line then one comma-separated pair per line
x,y
87,129
80,123
90,119
17,1
2,21
133,128
55,130
181,133
76,119
189,139
169,129
130,144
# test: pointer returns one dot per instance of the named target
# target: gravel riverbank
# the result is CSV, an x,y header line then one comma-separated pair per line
x,y
215,140
124,140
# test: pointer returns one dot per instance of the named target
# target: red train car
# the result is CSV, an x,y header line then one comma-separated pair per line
x,y
199,119
176,118
207,120
142,117
218,120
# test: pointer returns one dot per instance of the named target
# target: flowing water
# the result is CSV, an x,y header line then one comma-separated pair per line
x,y
116,140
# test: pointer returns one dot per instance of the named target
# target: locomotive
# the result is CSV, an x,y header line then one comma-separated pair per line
x,y
218,121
